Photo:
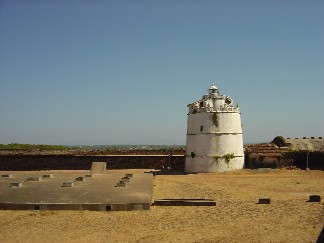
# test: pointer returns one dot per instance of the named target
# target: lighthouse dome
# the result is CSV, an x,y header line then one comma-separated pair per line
x,y
213,91
213,87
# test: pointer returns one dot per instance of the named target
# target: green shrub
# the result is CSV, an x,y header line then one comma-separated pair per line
x,y
215,119
228,157
32,146
193,155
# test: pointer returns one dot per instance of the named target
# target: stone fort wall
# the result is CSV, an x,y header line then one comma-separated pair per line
x,y
256,156
68,162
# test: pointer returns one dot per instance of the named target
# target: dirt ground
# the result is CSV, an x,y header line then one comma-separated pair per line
x,y
236,218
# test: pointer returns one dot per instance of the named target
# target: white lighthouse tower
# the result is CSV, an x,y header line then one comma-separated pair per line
x,y
214,134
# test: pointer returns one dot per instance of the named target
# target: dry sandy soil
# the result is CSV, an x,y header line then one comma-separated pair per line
x,y
235,218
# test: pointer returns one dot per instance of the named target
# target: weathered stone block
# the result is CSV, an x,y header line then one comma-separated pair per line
x,y
16,184
314,198
264,200
36,178
68,184
125,179
121,184
98,168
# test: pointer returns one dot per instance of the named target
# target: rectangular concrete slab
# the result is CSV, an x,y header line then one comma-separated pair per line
x,y
98,168
99,192
184,202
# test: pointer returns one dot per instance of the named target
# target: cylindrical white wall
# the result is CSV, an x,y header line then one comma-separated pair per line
x,y
208,143
228,122
209,164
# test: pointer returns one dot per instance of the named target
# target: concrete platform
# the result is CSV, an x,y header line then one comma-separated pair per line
x,y
76,192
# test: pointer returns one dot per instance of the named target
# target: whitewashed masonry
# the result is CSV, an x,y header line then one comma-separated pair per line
x,y
214,134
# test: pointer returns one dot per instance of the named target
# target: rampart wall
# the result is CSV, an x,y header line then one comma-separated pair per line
x,y
256,156
80,162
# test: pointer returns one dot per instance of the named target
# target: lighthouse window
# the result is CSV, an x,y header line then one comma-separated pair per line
x,y
201,128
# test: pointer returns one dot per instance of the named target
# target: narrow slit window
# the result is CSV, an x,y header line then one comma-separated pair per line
x,y
201,128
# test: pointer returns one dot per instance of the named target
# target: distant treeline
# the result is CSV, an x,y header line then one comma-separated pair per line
x,y
128,147
33,146
93,148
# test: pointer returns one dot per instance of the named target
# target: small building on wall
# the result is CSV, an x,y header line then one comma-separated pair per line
x,y
300,144
286,152
265,155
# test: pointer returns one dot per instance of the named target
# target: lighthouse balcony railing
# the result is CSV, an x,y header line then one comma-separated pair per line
x,y
219,109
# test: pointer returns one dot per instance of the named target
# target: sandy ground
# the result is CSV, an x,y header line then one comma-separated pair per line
x,y
235,218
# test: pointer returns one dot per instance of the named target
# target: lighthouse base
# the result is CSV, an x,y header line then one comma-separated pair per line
x,y
207,164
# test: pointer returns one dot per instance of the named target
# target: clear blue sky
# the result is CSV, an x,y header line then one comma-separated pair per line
x,y
123,72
